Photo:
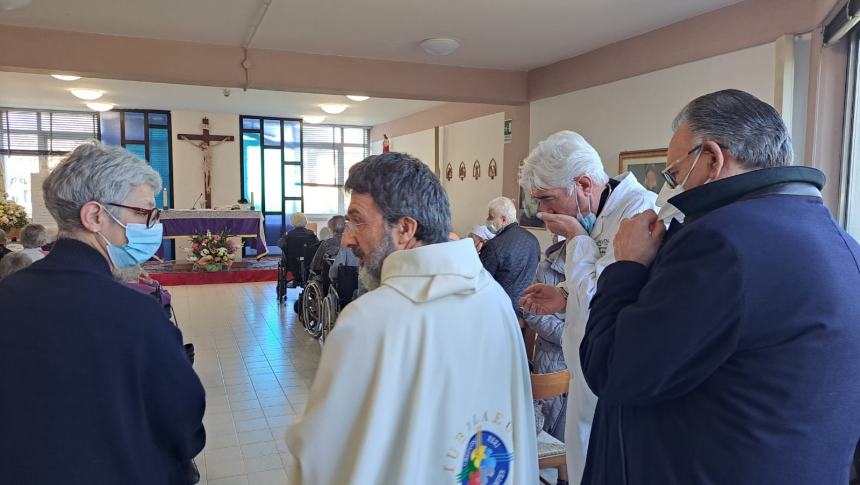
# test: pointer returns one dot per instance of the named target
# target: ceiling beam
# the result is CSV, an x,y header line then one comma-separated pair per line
x,y
113,57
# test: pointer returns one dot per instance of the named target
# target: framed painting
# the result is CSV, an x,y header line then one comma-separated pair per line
x,y
646,165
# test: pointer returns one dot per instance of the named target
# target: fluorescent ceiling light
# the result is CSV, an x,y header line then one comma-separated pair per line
x,y
439,46
100,106
334,109
87,94
357,98
313,119
65,77
14,4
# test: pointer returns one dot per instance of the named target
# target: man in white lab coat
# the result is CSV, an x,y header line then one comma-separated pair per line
x,y
424,379
580,202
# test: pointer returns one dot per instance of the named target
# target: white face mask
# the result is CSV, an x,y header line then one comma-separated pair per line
x,y
667,210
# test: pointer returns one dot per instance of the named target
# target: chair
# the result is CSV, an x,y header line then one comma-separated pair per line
x,y
551,452
530,339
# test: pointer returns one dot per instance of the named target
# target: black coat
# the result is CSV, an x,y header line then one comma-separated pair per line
x,y
734,358
295,245
97,388
512,258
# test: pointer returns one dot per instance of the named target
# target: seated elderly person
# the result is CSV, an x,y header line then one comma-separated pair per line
x,y
3,249
101,381
294,243
513,254
33,237
13,262
330,247
548,356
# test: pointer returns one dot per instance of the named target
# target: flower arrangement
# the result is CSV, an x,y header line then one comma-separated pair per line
x,y
211,251
12,215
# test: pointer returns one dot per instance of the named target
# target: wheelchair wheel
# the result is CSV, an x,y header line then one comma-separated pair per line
x,y
312,303
329,313
282,283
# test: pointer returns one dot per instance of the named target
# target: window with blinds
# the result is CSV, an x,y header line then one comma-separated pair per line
x,y
329,153
33,132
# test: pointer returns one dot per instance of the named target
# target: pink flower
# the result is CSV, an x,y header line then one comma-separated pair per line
x,y
205,241
195,246
216,238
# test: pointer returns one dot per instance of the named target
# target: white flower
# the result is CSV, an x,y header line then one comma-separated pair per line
x,y
204,252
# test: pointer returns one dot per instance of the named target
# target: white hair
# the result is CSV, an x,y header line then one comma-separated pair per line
x,y
503,206
559,160
298,220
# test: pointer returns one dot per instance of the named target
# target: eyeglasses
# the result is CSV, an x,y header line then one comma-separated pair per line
x,y
353,226
152,215
669,177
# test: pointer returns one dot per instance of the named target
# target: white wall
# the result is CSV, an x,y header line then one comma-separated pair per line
x,y
467,141
188,160
421,145
637,113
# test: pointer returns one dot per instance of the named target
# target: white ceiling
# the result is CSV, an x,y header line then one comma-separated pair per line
x,y
20,90
503,34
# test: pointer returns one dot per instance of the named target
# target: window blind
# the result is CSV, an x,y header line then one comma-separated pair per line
x,y
35,132
330,151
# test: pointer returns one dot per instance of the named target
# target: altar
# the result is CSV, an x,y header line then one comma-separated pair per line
x,y
244,224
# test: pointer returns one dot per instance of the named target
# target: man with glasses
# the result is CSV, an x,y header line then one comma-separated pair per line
x,y
424,379
97,385
724,350
579,201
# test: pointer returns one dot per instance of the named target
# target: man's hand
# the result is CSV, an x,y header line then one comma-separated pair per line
x,y
639,238
562,225
542,300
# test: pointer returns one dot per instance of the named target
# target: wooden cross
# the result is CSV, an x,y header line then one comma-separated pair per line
x,y
205,143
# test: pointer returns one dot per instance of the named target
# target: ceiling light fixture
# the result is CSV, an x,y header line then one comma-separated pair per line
x,y
313,119
357,98
14,4
87,94
100,106
333,109
440,46
65,77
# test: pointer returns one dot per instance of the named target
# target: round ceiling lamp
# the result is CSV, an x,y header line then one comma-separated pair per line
x,y
14,4
87,94
100,107
65,77
313,119
333,109
441,46
357,98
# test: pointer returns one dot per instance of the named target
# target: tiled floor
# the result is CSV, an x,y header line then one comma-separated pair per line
x,y
257,364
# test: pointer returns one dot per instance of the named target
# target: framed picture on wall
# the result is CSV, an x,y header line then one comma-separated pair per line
x,y
527,209
646,165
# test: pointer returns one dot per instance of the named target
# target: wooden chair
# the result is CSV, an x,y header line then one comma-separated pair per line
x,y
551,452
530,339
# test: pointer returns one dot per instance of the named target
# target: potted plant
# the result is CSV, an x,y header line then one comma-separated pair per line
x,y
12,218
211,252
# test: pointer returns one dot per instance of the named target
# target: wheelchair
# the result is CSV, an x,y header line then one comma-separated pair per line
x,y
340,293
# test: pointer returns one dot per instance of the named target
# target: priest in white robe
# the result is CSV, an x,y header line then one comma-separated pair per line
x,y
424,379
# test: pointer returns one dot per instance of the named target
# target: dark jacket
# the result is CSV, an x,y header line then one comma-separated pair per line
x,y
4,251
97,388
293,246
512,258
734,360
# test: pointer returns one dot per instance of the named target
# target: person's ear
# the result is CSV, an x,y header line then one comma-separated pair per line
x,y
586,184
93,216
717,158
404,232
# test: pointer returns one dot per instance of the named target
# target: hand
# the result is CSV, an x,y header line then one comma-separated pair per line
x,y
562,225
639,238
542,300
479,242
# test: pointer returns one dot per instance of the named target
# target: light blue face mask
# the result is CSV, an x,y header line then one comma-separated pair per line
x,y
142,244
588,221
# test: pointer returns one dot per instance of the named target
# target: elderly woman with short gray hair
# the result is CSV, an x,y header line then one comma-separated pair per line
x,y
33,237
97,376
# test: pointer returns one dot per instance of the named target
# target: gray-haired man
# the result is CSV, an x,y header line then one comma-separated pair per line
x,y
725,350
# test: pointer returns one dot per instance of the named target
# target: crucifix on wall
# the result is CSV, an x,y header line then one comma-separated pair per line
x,y
206,143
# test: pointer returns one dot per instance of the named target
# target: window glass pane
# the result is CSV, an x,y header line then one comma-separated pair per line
x,y
320,166
290,208
272,132
17,170
292,180
351,156
159,158
158,119
138,150
110,128
321,200
274,192
315,134
354,136
251,123
251,162
134,126
292,132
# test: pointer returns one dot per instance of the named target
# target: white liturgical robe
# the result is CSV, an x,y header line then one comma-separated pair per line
x,y
423,380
